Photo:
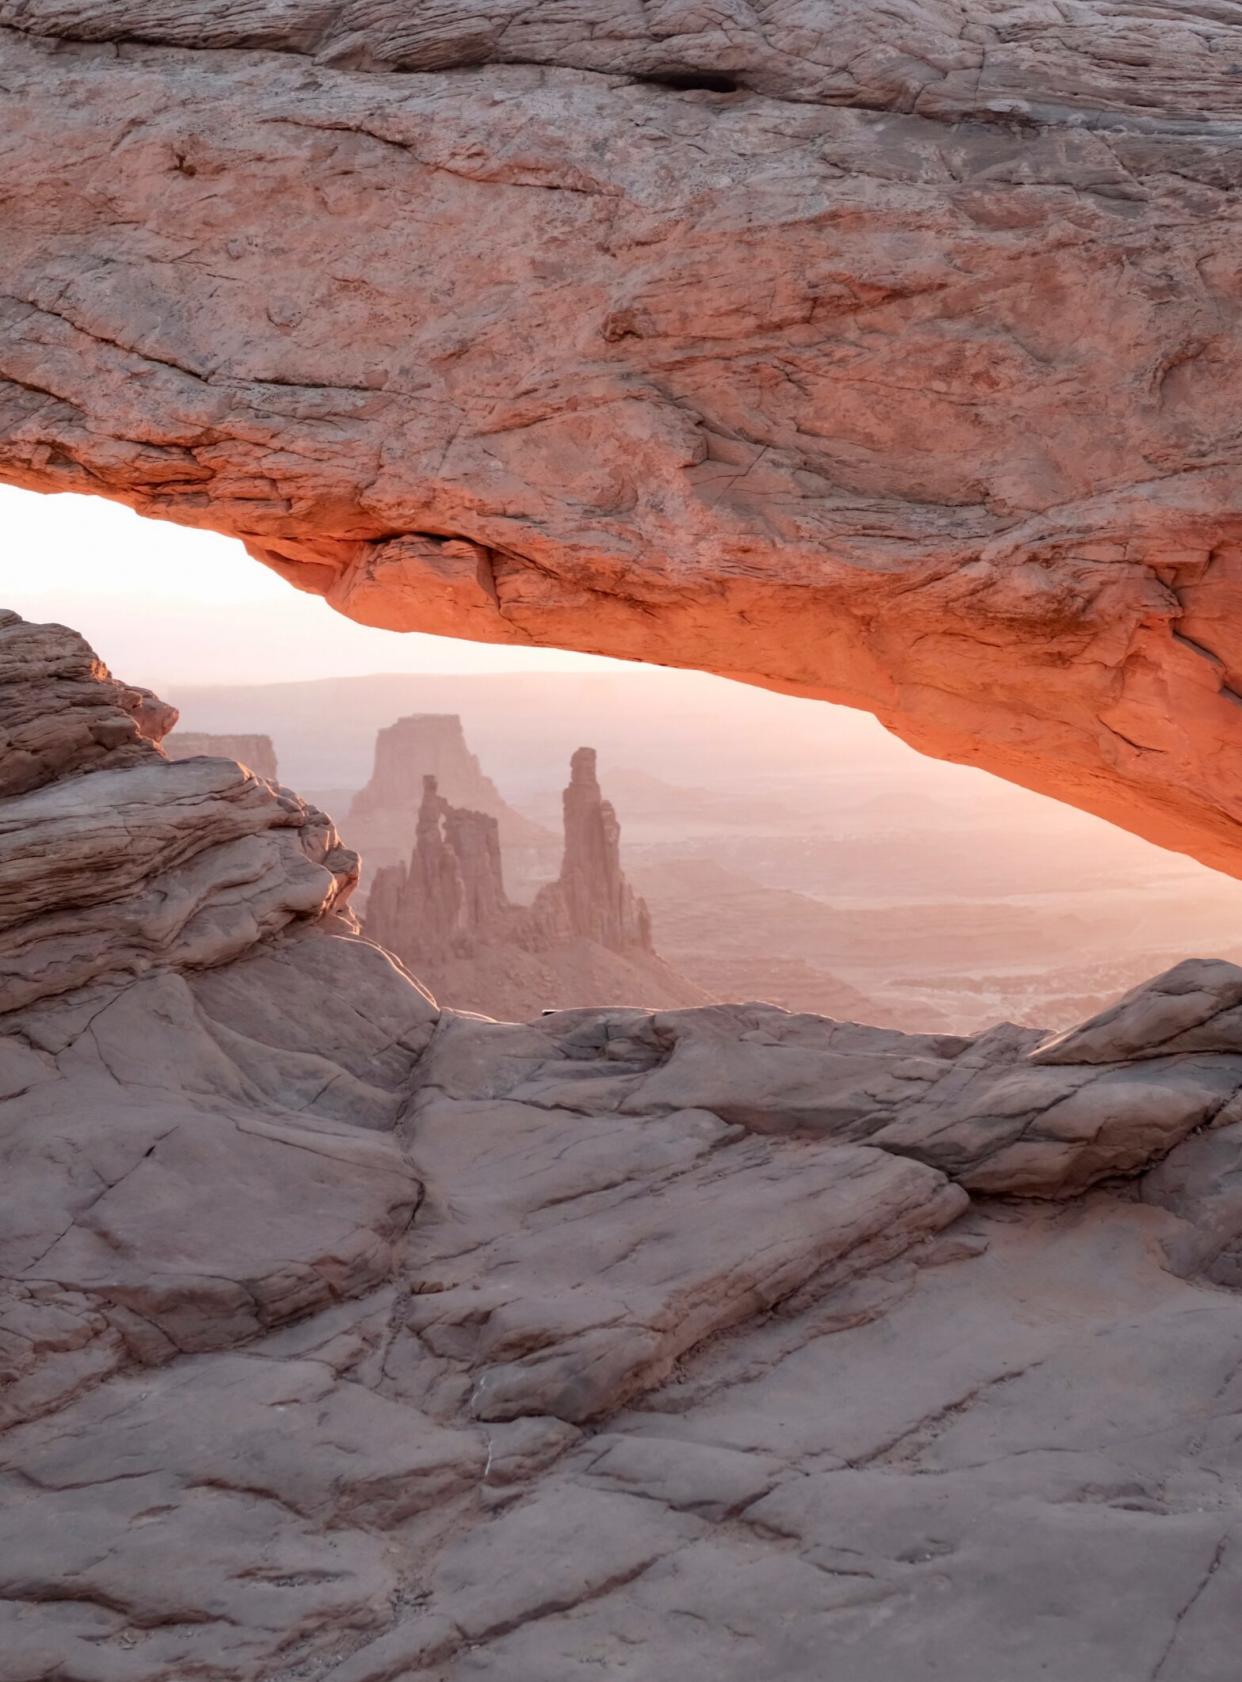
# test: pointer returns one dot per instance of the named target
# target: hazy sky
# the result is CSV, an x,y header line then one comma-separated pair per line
x,y
163,604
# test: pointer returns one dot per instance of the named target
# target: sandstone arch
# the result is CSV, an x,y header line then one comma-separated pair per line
x,y
901,375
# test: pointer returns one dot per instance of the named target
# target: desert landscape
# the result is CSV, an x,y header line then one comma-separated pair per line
x,y
788,852
698,1135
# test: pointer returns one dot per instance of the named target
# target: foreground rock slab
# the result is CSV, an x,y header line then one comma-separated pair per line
x,y
345,1339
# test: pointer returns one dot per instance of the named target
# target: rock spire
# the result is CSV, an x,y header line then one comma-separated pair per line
x,y
449,899
592,897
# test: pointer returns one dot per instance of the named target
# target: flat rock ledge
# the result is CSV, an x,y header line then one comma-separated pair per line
x,y
347,1339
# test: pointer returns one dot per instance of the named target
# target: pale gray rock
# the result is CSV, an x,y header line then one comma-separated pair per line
x,y
1201,1183
986,1111
343,1339
183,1169
61,711
126,870
201,1208
1195,1006
567,1284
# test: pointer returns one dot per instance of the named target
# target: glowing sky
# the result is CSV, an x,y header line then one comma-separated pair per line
x,y
162,604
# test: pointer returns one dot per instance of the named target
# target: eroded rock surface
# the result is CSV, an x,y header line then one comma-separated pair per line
x,y
347,1339
887,355
61,711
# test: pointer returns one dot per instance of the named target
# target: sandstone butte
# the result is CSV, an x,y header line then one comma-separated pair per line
x,y
883,354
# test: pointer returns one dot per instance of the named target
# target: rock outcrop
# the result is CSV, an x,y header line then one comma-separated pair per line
x,y
62,711
885,355
450,898
346,1338
385,814
199,1058
254,752
587,935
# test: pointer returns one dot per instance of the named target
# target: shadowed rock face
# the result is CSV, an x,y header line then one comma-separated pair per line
x,y
887,355
347,1338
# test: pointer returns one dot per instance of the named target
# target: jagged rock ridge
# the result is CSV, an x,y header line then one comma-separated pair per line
x,y
346,1338
881,354
256,752
586,935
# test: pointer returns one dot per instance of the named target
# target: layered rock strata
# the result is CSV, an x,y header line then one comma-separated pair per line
x,y
255,752
347,1339
191,1151
885,355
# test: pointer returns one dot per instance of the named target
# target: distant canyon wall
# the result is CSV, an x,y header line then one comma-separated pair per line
x,y
254,752
888,356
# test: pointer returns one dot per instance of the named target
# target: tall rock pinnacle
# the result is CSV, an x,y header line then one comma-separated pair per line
x,y
592,897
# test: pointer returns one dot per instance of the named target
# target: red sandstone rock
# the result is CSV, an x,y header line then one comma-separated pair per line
x,y
902,375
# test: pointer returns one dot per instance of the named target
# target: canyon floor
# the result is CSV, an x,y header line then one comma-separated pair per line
x,y
350,1339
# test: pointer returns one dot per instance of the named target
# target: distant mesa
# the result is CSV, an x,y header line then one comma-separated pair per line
x,y
385,813
587,935
255,752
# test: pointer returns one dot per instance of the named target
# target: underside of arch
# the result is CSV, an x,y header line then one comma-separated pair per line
x,y
887,359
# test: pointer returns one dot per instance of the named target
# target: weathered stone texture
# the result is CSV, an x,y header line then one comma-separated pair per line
x,y
881,354
349,1339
